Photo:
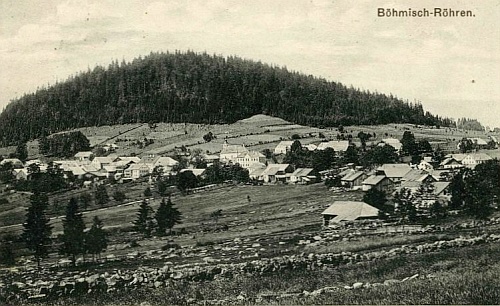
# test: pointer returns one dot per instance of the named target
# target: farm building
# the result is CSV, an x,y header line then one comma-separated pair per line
x,y
277,173
394,171
353,178
450,163
378,182
348,211
304,176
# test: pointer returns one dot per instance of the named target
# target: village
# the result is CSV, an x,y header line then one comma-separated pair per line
x,y
432,170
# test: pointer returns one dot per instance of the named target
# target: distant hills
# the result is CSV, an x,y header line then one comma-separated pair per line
x,y
198,88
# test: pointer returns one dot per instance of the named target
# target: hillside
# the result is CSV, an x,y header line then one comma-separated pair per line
x,y
198,88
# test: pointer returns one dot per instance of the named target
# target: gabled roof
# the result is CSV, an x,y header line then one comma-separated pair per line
x,y
302,172
311,147
353,176
133,159
479,156
395,170
449,160
84,154
479,141
251,154
393,142
350,210
374,180
285,143
457,157
165,161
439,187
275,168
336,145
416,175
103,160
196,172
138,166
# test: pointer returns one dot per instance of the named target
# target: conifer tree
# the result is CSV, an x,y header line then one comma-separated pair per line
x,y
73,237
167,216
96,240
37,230
144,223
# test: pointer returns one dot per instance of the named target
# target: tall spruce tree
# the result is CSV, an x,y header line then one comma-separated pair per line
x,y
96,240
167,216
73,237
144,223
37,230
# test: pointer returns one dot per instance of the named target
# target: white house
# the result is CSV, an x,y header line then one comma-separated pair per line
x,y
229,153
336,145
348,211
246,160
283,147
475,159
84,156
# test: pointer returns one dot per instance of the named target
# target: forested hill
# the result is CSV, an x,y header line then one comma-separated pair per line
x,y
198,88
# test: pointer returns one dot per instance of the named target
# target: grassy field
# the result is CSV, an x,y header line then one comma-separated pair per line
x,y
448,277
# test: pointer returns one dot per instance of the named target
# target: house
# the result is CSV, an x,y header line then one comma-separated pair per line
x,y
135,171
418,176
336,145
246,160
283,147
450,163
277,173
165,163
16,163
393,142
255,172
395,172
229,153
348,211
304,176
378,182
353,179
425,165
110,147
472,160
478,143
101,162
84,156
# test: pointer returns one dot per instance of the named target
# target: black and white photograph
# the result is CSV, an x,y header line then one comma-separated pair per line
x,y
226,152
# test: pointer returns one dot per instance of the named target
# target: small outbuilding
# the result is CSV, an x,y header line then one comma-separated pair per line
x,y
348,211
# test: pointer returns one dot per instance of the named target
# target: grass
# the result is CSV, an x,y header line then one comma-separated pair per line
x,y
458,277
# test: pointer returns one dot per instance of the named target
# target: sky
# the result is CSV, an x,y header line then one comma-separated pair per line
x,y
451,65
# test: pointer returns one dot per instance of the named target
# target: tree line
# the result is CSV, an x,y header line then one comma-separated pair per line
x,y
198,88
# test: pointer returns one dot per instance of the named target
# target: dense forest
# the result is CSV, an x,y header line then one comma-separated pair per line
x,y
469,124
198,88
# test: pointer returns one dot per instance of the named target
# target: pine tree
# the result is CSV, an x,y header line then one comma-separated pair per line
x,y
73,236
95,239
37,230
22,151
167,216
101,195
144,223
